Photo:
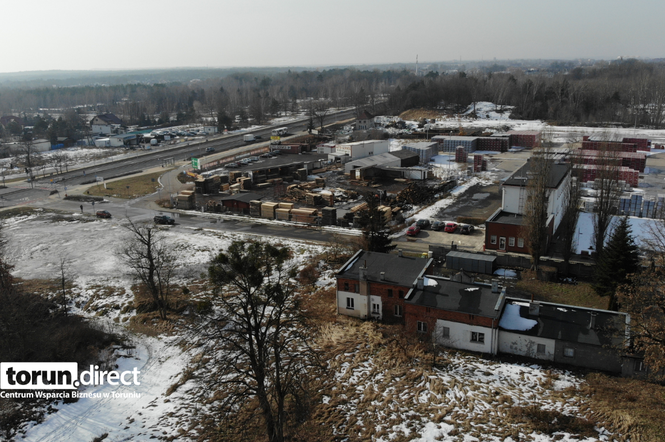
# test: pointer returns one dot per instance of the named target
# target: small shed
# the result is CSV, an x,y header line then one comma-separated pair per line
x,y
470,262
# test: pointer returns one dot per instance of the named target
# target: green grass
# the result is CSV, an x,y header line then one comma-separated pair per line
x,y
128,188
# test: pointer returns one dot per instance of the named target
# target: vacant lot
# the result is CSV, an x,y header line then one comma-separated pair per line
x,y
132,187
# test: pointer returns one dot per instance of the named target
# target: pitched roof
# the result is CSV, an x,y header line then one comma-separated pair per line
x,y
444,294
398,270
243,197
557,173
364,115
109,119
565,322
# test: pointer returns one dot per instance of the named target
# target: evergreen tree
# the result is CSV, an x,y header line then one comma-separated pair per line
x,y
373,223
619,259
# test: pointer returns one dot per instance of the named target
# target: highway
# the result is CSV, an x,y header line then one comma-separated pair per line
x,y
21,194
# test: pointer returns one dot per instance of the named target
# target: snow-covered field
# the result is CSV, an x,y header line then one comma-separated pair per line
x,y
453,403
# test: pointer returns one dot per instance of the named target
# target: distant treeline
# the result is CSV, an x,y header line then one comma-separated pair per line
x,y
629,92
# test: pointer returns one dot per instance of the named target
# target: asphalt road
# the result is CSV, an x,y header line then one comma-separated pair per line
x,y
22,193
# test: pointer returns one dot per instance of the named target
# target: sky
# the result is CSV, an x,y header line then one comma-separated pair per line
x,y
139,34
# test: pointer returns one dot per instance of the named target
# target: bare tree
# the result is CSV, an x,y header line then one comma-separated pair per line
x,y
265,336
535,209
63,270
319,110
151,260
608,193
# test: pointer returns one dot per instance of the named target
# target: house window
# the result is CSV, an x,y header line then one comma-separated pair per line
x,y
478,337
375,309
540,349
346,286
511,241
355,288
422,327
398,311
520,243
400,294
445,332
349,303
493,239
569,352
502,243
640,367
390,293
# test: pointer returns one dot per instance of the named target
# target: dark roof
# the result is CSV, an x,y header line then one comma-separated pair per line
x,y
571,323
244,197
399,270
557,174
364,115
473,299
507,218
109,118
404,154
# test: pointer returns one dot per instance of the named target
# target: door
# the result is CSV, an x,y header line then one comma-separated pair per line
x,y
502,243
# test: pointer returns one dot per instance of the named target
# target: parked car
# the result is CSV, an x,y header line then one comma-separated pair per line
x,y
232,165
438,225
466,229
163,219
414,230
210,149
423,224
103,214
450,227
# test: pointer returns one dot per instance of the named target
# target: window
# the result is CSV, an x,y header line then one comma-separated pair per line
x,y
478,337
349,303
390,293
422,327
346,286
398,311
640,367
375,309
355,288
520,242
511,241
493,239
502,243
541,349
569,352
400,294
445,332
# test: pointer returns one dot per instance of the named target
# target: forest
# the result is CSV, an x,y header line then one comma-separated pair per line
x,y
626,92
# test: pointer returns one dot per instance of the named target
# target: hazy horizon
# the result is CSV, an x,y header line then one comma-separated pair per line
x,y
72,36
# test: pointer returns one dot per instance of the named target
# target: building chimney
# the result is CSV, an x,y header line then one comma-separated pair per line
x,y
495,286
534,308
382,276
592,321
399,252
420,283
362,271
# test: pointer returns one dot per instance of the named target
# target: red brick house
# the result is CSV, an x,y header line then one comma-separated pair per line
x,y
374,285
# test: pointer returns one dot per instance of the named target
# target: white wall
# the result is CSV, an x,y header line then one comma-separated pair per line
x,y
101,129
521,345
511,199
460,336
360,304
364,149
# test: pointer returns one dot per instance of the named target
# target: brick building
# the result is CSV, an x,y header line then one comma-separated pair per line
x,y
374,285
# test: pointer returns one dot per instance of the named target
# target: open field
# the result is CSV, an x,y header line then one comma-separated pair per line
x,y
128,188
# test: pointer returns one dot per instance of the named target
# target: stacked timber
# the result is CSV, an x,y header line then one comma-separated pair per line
x,y
328,216
283,214
304,215
186,200
255,208
245,183
268,210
